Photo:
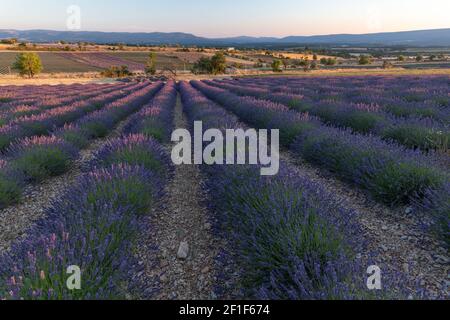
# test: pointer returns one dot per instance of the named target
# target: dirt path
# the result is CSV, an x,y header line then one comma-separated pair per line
x,y
187,273
16,220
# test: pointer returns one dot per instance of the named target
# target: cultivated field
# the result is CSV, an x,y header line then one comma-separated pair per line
x,y
77,62
86,179
52,62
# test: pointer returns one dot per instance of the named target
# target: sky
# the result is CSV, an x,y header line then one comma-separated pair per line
x,y
223,18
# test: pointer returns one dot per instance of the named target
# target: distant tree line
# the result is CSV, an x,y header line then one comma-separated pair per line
x,y
117,72
9,41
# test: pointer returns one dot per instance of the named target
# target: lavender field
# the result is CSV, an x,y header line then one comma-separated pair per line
x,y
87,181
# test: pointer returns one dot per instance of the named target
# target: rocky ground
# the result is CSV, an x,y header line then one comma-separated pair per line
x,y
181,229
16,220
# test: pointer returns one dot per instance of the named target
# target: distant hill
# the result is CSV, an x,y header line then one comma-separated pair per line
x,y
437,37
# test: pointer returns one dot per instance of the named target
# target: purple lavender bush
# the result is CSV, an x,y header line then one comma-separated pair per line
x,y
92,226
156,118
414,133
39,158
291,240
11,184
135,149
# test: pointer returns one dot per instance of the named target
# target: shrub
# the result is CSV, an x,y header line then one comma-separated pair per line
x,y
117,72
328,61
276,66
203,65
215,65
416,137
282,224
399,183
10,188
133,190
391,177
35,128
153,128
5,140
364,60
437,204
132,150
73,135
218,63
95,129
426,112
41,157
360,121
150,67
398,111
5,100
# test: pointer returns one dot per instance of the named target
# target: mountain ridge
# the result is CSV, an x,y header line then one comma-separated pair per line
x,y
433,37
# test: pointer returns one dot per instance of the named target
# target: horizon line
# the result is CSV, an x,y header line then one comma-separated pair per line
x,y
226,37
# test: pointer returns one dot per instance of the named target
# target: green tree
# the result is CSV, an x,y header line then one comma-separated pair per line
x,y
28,64
218,63
419,58
203,65
276,65
328,61
401,58
150,67
364,60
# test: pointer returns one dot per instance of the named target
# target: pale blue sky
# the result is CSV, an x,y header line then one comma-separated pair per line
x,y
219,18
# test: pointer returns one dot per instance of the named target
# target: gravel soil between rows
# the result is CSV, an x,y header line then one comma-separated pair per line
x,y
180,217
17,219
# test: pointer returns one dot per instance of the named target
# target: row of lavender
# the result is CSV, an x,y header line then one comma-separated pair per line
x,y
419,132
48,120
29,95
9,94
392,174
288,237
95,224
21,108
36,158
424,96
